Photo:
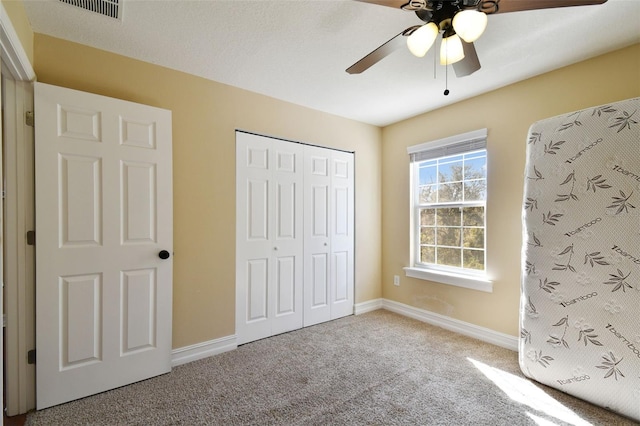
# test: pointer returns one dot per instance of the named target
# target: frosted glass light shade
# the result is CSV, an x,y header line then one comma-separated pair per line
x,y
421,40
469,24
451,50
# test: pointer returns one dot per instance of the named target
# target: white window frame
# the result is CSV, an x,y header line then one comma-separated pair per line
x,y
460,277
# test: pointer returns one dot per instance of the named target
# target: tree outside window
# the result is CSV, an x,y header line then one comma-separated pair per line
x,y
450,197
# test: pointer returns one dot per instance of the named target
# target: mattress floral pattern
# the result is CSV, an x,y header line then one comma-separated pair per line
x,y
580,304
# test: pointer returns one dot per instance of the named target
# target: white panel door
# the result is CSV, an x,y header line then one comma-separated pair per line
x,y
253,246
269,237
103,217
317,235
288,236
329,235
342,234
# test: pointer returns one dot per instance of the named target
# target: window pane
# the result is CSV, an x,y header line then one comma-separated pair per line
x,y
428,236
427,254
427,217
449,256
428,194
451,172
451,159
475,190
475,168
473,237
474,259
448,216
447,235
428,175
473,216
481,153
450,192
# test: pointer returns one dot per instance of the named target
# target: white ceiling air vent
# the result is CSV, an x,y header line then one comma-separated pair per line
x,y
110,8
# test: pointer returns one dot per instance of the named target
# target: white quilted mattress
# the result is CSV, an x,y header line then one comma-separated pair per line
x,y
580,303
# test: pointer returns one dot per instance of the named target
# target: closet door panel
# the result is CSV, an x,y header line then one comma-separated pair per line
x,y
287,241
342,234
319,211
253,238
257,210
285,285
257,290
317,248
341,276
319,280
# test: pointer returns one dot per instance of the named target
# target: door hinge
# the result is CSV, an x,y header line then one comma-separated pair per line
x,y
31,238
31,356
29,118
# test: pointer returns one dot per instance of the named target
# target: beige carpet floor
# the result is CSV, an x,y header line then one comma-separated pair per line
x,y
373,369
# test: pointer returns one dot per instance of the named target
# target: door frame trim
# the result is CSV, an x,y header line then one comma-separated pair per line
x,y
20,268
14,56
18,73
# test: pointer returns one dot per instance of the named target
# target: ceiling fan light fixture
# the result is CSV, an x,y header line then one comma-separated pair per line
x,y
421,40
469,24
451,50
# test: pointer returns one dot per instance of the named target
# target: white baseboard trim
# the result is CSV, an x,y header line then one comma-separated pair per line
x,y
368,306
481,333
202,350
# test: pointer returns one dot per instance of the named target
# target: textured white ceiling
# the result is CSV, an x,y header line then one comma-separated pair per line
x,y
298,50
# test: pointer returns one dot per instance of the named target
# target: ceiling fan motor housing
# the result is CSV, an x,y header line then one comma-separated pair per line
x,y
441,12
417,5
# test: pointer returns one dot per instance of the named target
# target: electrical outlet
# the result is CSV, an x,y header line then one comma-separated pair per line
x,y
396,280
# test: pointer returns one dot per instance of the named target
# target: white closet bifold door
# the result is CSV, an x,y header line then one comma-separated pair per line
x,y
269,237
294,236
342,234
328,234
317,235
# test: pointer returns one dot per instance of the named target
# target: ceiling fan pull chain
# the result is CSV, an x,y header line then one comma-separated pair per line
x,y
435,65
446,80
446,72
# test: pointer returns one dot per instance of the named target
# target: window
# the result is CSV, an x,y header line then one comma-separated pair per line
x,y
449,192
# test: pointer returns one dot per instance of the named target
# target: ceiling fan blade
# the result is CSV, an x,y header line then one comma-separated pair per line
x,y
503,6
470,63
381,52
396,4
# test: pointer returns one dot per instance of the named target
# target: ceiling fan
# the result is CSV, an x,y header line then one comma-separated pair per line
x,y
461,22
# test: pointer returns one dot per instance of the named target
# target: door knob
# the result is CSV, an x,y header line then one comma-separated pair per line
x,y
164,254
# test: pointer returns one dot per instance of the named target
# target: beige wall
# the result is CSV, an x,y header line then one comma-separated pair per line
x,y
507,113
206,113
205,117
18,16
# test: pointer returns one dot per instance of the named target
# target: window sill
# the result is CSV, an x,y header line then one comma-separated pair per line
x,y
466,281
